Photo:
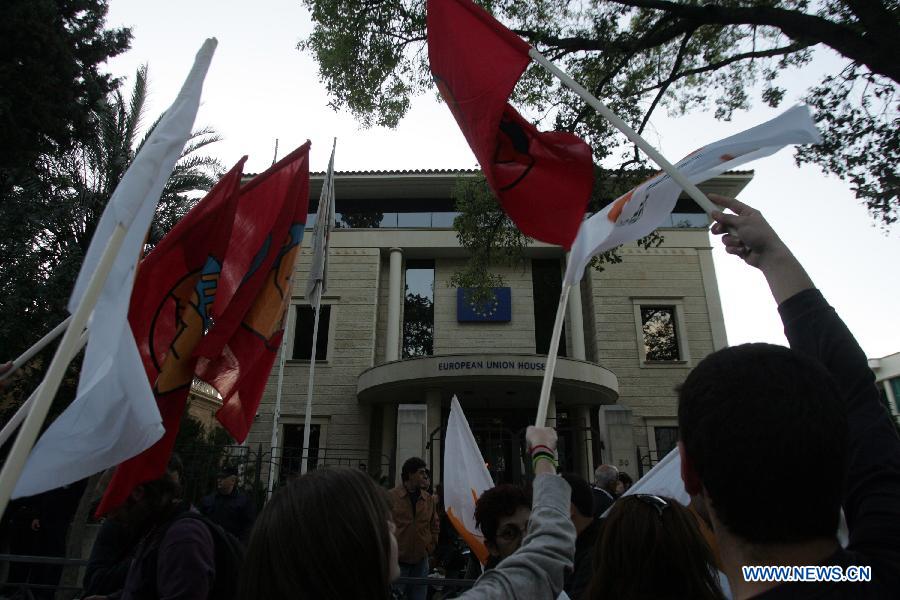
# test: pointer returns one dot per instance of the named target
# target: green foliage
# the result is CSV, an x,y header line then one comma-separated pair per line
x,y
49,216
640,56
49,77
203,453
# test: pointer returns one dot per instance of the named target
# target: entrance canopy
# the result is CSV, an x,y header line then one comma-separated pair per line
x,y
494,380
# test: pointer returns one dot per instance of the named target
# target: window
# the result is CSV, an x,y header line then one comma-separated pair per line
x,y
666,438
660,334
418,309
303,332
291,455
546,282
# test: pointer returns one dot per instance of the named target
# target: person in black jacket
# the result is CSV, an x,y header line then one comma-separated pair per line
x,y
229,506
750,413
587,528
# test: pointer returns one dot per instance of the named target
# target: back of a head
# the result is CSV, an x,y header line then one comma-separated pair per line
x,y
652,549
582,496
765,430
308,534
605,475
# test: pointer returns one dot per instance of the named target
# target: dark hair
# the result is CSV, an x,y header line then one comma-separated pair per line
x,y
626,479
747,415
500,501
582,496
176,466
411,466
650,549
310,531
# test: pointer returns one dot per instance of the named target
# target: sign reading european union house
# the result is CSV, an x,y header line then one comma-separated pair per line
x,y
498,310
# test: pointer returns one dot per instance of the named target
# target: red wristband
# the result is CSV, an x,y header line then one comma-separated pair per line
x,y
543,447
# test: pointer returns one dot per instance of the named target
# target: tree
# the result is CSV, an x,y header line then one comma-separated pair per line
x,y
51,215
49,78
643,55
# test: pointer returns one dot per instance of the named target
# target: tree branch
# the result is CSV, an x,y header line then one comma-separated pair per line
x,y
679,59
878,53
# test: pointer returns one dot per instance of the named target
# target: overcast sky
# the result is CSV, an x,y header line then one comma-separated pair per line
x,y
261,88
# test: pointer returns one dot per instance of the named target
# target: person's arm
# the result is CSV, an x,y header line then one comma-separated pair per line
x,y
538,567
872,494
186,565
435,524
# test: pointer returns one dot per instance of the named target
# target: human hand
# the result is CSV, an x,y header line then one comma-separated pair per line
x,y
36,525
747,234
542,439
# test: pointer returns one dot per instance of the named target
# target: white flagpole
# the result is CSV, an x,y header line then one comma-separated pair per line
x,y
18,454
17,418
307,417
277,414
550,367
692,190
37,347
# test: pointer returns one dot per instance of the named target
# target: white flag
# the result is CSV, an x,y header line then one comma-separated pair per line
x,y
317,281
664,479
114,415
640,211
465,478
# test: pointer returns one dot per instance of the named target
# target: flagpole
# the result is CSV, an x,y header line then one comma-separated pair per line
x,y
550,367
309,389
692,190
17,418
277,414
18,454
37,347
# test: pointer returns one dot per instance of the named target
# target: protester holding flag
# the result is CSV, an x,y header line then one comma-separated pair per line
x,y
306,534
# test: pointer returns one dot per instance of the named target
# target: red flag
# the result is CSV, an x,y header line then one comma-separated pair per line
x,y
174,301
237,354
543,180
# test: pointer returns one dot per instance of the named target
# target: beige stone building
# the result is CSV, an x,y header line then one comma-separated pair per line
x,y
396,342
887,377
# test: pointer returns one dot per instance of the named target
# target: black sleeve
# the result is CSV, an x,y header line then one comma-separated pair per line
x,y
872,494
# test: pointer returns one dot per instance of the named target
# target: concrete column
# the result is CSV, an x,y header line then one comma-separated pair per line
x,y
433,419
713,301
584,443
395,304
411,436
389,435
575,330
618,438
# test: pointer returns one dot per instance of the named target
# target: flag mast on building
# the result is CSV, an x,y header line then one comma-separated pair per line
x,y
316,284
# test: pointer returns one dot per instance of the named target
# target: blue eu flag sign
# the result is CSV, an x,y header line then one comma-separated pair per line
x,y
498,310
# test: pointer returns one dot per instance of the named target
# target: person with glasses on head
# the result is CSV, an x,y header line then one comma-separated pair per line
x,y
418,525
650,547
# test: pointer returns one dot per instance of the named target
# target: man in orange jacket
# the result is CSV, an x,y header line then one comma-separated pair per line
x,y
417,523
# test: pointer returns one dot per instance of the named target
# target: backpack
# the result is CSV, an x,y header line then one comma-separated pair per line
x,y
228,555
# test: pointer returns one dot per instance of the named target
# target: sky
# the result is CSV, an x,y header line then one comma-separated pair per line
x,y
260,89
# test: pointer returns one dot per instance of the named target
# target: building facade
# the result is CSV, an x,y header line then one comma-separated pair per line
x,y
887,377
396,342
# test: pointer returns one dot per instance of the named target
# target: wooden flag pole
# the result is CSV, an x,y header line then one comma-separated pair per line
x,y
692,190
37,347
17,418
18,454
550,367
307,417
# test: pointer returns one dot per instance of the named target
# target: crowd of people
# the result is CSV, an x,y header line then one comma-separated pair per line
x,y
747,415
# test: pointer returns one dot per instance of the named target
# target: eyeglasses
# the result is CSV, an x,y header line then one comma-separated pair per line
x,y
511,532
655,501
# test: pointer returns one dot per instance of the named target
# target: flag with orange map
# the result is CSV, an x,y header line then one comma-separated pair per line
x,y
465,478
174,301
237,354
